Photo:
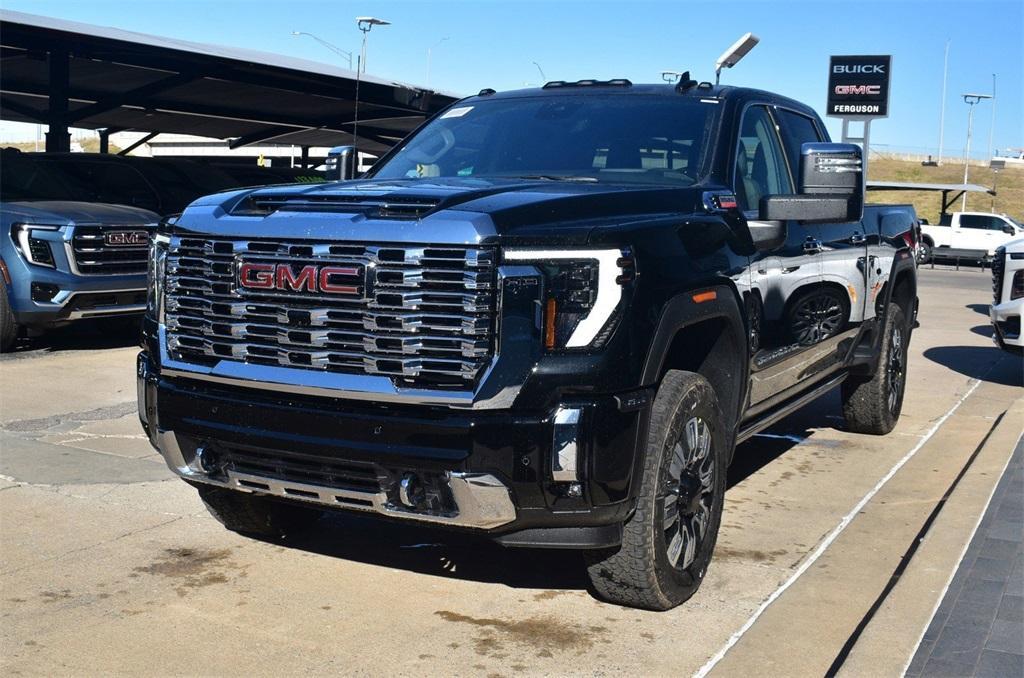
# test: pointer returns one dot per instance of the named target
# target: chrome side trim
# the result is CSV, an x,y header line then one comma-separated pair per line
x,y
482,501
564,448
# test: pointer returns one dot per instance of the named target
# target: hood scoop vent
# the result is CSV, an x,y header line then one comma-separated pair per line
x,y
379,206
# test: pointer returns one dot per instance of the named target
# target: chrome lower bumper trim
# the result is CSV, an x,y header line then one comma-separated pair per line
x,y
103,311
482,501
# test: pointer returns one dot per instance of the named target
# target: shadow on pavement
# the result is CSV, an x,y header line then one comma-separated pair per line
x,y
450,554
983,330
980,362
81,335
442,553
978,308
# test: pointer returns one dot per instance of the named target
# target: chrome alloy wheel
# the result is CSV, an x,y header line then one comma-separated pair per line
x,y
895,370
687,493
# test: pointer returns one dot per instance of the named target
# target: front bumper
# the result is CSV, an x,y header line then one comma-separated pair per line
x,y
1006,319
500,472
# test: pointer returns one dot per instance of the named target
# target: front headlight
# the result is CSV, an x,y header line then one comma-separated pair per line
x,y
35,250
582,293
157,272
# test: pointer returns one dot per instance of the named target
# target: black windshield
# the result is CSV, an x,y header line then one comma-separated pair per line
x,y
23,179
635,138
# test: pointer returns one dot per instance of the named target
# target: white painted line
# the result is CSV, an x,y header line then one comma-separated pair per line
x,y
836,531
959,561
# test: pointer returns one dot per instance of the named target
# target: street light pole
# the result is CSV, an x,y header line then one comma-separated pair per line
x,y
429,51
942,109
971,100
992,125
364,24
334,48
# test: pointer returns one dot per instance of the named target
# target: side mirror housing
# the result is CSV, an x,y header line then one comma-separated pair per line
x,y
831,187
1007,228
341,163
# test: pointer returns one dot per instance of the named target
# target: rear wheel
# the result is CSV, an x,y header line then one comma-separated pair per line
x,y
8,328
873,405
667,543
924,252
254,515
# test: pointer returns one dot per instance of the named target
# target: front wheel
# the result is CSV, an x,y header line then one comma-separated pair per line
x,y
873,405
8,328
667,543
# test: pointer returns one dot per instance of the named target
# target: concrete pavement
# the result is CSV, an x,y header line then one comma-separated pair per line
x,y
109,565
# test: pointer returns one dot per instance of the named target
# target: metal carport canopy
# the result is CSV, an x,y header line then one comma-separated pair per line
x,y
957,189
68,74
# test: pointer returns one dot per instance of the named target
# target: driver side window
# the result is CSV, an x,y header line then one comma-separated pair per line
x,y
760,164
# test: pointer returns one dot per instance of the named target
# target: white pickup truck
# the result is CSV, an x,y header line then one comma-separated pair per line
x,y
969,231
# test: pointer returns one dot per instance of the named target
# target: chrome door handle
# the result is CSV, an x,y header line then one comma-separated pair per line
x,y
812,246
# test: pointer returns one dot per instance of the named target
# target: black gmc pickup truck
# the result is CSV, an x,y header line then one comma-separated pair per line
x,y
548,316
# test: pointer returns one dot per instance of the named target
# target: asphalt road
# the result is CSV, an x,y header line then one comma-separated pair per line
x,y
110,565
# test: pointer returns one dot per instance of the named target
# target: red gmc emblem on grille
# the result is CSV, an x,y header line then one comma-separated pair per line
x,y
126,238
310,278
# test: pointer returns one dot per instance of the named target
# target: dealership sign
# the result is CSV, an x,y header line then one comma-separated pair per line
x,y
858,86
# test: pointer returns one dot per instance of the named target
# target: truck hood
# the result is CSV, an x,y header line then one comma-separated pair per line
x,y
454,210
69,213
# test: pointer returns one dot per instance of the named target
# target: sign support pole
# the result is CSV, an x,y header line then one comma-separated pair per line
x,y
864,140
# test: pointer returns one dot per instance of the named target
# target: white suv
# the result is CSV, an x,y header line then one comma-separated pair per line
x,y
1008,295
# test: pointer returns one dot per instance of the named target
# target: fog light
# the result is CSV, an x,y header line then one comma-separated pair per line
x,y
44,292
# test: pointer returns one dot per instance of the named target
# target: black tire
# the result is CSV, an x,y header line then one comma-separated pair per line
x,y
257,516
658,566
924,253
8,328
873,405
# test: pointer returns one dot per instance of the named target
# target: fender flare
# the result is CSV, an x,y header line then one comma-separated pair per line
x,y
683,311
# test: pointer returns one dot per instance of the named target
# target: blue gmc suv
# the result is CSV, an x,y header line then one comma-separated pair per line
x,y
63,258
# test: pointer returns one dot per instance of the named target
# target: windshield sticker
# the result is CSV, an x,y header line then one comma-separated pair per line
x,y
457,112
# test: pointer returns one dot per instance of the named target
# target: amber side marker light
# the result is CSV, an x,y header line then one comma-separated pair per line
x,y
550,310
701,297
4,273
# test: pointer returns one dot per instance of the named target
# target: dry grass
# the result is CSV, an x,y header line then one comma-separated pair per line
x,y
1009,186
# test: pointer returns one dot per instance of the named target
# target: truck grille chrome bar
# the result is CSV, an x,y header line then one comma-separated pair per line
x,y
110,249
422,315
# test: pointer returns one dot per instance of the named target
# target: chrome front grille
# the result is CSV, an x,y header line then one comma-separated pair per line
x,y
998,270
110,249
422,315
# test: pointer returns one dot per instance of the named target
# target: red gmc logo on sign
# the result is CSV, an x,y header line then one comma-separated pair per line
x,y
126,238
311,278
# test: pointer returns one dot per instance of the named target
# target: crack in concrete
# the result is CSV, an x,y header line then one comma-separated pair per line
x,y
98,414
81,549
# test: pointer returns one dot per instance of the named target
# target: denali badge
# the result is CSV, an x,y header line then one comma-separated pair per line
x,y
126,238
310,278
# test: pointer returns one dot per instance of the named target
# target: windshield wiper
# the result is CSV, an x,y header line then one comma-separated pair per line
x,y
557,177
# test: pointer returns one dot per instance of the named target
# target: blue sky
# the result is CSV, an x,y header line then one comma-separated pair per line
x,y
494,43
